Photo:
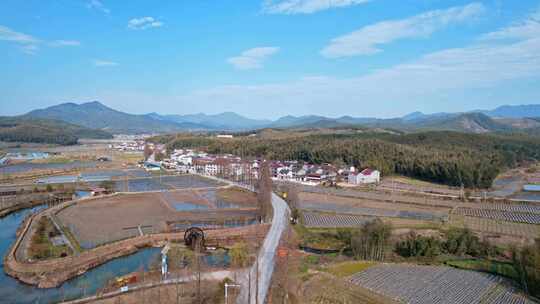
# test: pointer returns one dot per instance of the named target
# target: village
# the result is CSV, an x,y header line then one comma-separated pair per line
x,y
233,167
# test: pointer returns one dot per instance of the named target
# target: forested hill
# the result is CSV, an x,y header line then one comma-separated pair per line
x,y
96,115
445,157
45,131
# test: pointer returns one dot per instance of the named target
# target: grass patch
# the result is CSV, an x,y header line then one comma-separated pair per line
x,y
71,238
346,269
324,239
41,246
53,160
237,195
504,269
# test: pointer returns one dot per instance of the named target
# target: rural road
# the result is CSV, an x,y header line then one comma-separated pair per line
x,y
255,287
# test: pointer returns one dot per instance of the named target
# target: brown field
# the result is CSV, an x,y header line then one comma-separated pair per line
x,y
357,202
103,220
496,227
238,196
360,206
323,289
401,183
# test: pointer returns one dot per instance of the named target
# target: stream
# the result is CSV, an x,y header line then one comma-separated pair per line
x,y
14,292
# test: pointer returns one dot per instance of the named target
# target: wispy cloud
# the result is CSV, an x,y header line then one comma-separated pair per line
x,y
305,6
98,5
366,41
252,58
29,49
104,63
528,28
61,43
29,44
436,76
143,23
8,34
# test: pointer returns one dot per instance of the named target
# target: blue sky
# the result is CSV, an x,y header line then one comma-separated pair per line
x,y
265,59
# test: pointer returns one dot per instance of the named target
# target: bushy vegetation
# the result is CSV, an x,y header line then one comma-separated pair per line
x,y
456,241
41,246
45,131
239,254
527,264
451,158
371,240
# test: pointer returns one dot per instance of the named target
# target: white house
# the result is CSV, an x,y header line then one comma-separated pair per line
x,y
366,176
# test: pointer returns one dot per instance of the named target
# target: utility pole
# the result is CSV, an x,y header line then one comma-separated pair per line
x,y
226,291
257,282
249,286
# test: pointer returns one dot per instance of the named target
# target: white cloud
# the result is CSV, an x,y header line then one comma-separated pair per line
x,y
8,34
104,63
144,23
435,76
306,6
29,44
366,40
528,28
61,43
98,5
252,58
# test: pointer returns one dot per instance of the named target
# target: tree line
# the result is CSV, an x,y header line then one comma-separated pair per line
x,y
451,158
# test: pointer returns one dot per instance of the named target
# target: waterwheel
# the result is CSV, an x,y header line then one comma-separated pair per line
x,y
194,238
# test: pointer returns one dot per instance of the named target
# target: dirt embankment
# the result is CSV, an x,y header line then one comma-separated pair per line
x,y
53,272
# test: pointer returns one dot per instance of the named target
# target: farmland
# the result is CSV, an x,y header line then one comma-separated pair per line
x,y
510,216
434,284
496,227
103,220
365,207
322,220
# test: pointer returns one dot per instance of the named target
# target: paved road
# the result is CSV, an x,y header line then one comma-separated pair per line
x,y
255,287
255,282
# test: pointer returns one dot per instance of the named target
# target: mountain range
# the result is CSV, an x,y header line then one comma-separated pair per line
x,y
98,116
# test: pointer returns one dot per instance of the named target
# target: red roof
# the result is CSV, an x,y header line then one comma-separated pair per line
x,y
367,171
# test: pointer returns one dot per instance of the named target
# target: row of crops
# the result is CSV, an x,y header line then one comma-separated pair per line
x,y
432,284
319,220
497,226
348,209
518,217
525,208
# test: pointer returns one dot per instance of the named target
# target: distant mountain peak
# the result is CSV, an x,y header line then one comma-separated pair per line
x,y
414,115
94,103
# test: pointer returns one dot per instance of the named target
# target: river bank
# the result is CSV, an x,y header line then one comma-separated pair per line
x,y
53,272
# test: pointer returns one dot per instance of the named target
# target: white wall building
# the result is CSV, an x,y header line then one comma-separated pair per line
x,y
367,176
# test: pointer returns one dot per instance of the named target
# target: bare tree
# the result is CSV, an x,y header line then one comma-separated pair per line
x,y
147,152
264,191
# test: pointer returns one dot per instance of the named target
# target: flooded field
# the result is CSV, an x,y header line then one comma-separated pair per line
x,y
108,219
157,183
27,167
506,186
94,176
